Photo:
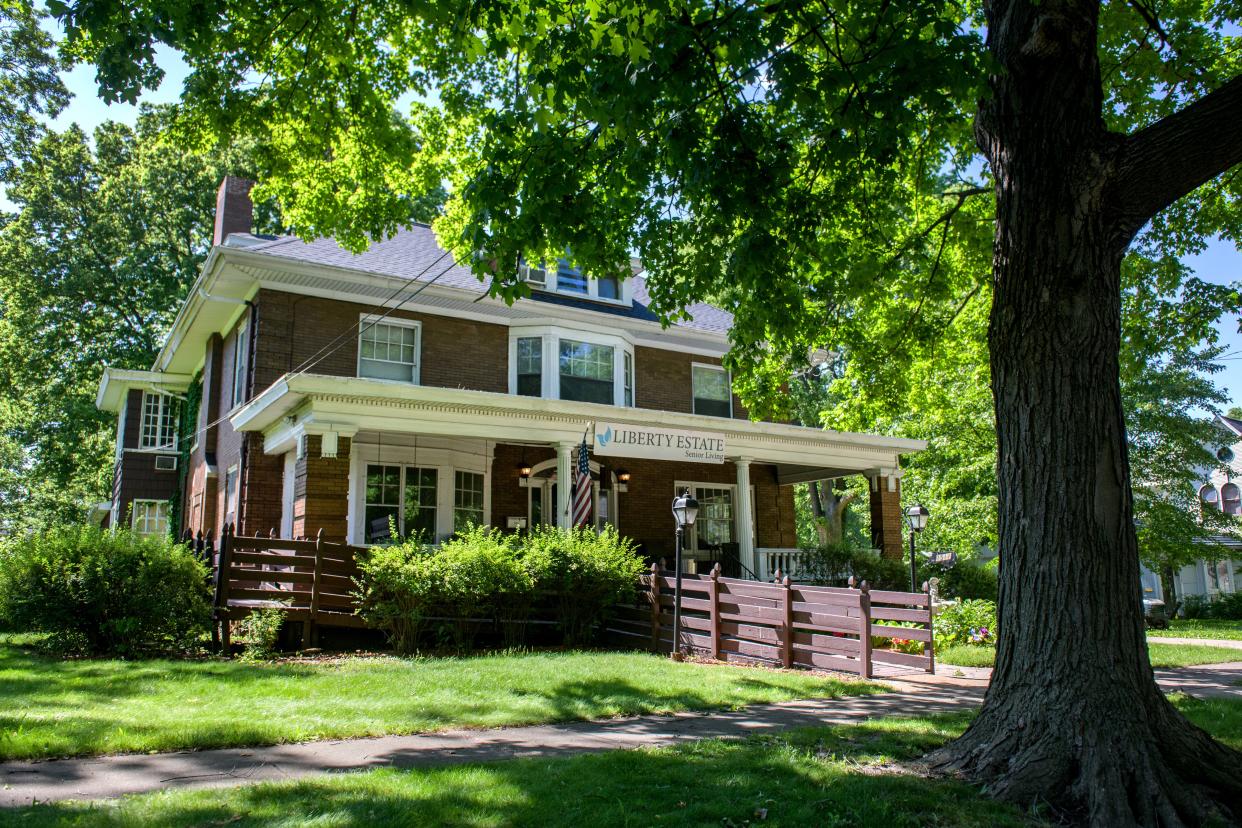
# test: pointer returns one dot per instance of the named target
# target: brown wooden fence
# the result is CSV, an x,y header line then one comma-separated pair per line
x,y
779,623
311,579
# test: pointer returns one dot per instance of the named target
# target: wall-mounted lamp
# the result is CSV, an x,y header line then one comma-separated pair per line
x,y
623,476
524,470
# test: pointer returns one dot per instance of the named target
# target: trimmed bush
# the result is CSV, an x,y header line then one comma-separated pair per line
x,y
1226,607
587,572
966,622
833,566
966,579
104,592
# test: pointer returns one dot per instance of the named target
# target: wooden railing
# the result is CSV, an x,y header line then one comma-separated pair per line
x,y
779,623
312,580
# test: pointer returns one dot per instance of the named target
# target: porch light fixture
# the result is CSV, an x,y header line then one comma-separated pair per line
x,y
623,476
685,510
524,470
916,516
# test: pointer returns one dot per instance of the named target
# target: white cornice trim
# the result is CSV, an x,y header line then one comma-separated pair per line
x,y
117,382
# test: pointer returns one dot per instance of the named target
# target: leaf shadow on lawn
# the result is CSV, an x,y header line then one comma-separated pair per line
x,y
835,776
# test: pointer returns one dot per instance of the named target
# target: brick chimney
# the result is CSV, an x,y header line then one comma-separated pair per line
x,y
234,210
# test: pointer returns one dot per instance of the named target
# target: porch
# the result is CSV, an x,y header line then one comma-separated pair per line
x,y
352,457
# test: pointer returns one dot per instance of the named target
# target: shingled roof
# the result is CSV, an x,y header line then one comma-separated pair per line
x,y
415,254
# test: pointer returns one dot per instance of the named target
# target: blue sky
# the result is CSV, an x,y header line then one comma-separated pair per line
x,y
1220,263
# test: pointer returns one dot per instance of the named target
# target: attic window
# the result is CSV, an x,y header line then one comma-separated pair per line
x,y
570,280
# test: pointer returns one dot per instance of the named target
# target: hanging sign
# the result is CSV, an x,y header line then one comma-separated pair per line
x,y
944,558
613,440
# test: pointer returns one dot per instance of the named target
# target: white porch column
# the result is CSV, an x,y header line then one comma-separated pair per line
x,y
564,482
745,521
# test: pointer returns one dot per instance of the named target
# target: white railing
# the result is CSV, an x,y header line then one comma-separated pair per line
x,y
789,561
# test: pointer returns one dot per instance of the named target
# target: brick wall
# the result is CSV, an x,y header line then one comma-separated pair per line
x,y
886,519
663,381
321,492
228,443
456,353
135,476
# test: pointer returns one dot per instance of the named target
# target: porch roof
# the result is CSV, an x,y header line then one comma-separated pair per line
x,y
300,404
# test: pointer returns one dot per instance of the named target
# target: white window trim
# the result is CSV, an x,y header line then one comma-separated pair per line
x,y
366,319
551,355
165,400
234,469
728,376
442,456
551,284
241,356
146,501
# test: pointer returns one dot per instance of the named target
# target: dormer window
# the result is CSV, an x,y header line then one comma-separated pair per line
x,y
571,281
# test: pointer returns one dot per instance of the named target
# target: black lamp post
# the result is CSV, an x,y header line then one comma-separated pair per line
x,y
916,516
685,510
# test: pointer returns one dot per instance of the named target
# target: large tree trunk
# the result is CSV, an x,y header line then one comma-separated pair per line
x,y
828,506
1073,716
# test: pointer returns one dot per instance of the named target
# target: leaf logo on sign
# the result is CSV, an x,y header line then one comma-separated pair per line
x,y
605,438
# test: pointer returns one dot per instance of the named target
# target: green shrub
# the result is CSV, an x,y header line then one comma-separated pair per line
x,y
482,580
100,592
966,622
834,565
587,572
397,591
260,633
966,579
1225,607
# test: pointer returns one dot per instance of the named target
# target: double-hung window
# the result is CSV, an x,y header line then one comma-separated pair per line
x,y
530,366
712,395
159,421
628,398
151,517
389,349
399,496
467,500
586,372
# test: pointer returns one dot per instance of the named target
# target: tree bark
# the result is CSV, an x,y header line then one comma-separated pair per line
x,y
828,506
1073,717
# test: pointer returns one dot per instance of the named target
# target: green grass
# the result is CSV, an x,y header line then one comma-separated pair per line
x,y
50,707
1162,655
857,775
1200,628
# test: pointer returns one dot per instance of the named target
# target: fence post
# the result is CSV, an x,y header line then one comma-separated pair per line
x,y
655,607
864,631
222,587
786,621
929,647
310,630
714,597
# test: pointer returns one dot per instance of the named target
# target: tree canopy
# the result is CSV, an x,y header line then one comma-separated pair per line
x,y
838,174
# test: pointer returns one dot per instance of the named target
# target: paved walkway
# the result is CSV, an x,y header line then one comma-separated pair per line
x,y
953,688
1202,642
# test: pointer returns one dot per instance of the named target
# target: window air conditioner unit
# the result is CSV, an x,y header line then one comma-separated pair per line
x,y
536,276
166,462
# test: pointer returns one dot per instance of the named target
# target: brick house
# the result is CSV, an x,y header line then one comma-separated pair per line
x,y
339,392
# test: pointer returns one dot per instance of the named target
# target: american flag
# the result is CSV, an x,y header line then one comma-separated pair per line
x,y
582,487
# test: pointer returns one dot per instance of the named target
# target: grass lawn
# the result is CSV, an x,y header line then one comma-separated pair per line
x,y
832,776
1162,655
50,707
1200,628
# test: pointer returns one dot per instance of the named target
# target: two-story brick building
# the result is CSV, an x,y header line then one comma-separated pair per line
x,y
342,392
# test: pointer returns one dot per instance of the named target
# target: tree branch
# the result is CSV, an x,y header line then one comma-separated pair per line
x,y
1178,153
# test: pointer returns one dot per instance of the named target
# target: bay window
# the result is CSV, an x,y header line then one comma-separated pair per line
x,y
586,372
467,500
585,366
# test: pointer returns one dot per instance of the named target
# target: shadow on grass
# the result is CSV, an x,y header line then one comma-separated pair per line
x,y
821,776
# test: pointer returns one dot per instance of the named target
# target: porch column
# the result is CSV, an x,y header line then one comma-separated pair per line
x,y
745,522
564,482
886,517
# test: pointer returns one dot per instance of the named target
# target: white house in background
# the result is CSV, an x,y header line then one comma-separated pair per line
x,y
1220,488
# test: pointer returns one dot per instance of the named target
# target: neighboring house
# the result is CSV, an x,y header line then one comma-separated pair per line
x,y
322,410
1219,490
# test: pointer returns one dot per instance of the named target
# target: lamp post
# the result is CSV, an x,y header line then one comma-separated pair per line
x,y
916,516
685,510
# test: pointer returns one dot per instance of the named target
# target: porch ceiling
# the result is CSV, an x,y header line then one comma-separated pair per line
x,y
317,404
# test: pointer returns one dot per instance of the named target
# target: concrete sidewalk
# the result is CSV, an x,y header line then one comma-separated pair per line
x,y
1201,642
953,688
